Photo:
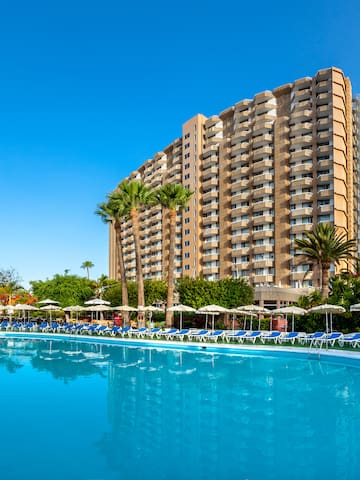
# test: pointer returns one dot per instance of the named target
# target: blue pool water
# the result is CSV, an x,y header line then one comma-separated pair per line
x,y
73,410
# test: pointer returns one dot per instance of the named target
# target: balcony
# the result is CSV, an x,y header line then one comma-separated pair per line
x,y
238,173
299,128
266,218
302,94
209,232
263,151
301,212
325,178
210,257
301,154
240,148
266,263
211,195
266,204
264,164
260,192
302,115
211,182
302,196
301,182
262,126
210,220
301,140
302,227
262,234
323,98
210,150
210,172
210,207
263,139
299,168
240,136
264,177
263,249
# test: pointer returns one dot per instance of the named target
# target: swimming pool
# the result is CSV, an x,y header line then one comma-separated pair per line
x,y
84,410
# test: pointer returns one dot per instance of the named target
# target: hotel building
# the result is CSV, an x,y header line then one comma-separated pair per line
x,y
263,172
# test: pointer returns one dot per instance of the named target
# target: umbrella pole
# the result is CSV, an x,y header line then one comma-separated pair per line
x,y
259,323
330,322
326,322
251,319
292,323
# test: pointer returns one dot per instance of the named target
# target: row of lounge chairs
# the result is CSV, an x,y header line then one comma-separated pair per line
x,y
241,336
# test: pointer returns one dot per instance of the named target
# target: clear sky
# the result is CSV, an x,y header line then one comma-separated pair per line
x,y
89,90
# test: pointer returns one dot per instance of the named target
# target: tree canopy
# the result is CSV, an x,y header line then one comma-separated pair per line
x,y
66,289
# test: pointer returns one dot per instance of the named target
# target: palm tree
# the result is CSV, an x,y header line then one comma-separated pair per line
x,y
136,195
86,266
172,197
324,246
113,211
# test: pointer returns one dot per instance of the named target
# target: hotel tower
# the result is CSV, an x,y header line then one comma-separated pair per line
x,y
263,172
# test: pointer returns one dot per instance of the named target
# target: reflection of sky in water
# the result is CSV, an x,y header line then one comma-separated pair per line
x,y
90,411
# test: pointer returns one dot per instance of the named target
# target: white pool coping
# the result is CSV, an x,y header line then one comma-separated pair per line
x,y
209,347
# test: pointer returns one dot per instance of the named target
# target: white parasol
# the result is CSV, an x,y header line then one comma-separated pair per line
x,y
292,310
328,308
181,309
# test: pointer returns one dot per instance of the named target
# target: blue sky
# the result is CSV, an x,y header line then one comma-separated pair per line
x,y
89,90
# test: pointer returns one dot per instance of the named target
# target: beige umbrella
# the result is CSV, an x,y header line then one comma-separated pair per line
x,y
98,308
181,308
327,308
51,308
48,301
355,307
291,310
124,308
74,308
97,301
255,309
212,310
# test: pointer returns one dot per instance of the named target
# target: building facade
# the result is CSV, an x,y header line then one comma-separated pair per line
x,y
263,172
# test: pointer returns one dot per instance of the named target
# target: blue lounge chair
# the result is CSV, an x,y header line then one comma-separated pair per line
x,y
289,337
138,332
237,335
167,333
353,340
198,335
214,336
252,336
124,331
154,332
273,336
331,338
313,338
181,334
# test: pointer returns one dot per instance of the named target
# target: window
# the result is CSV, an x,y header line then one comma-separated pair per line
x,y
187,176
187,155
187,220
187,243
187,165
187,231
187,267
187,255
187,135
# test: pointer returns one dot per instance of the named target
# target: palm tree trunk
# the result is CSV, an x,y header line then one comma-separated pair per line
x,y
121,269
170,279
139,274
325,274
88,272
